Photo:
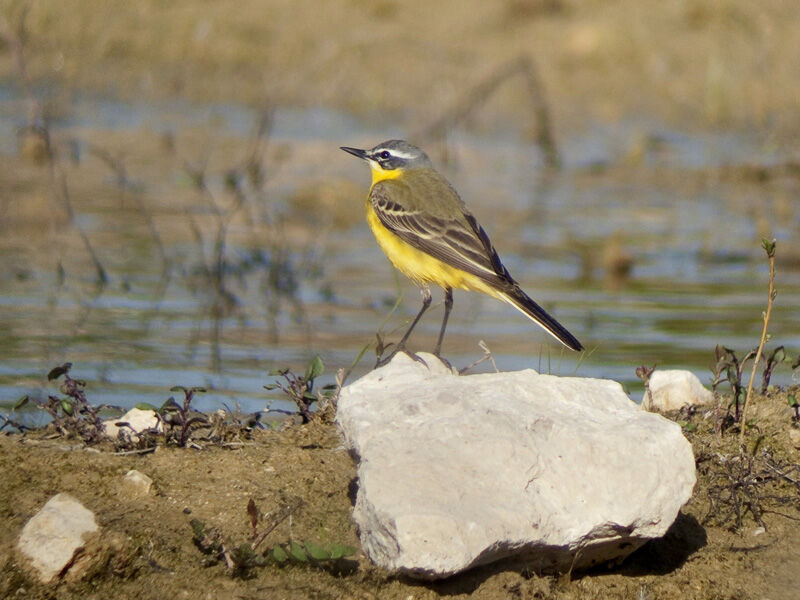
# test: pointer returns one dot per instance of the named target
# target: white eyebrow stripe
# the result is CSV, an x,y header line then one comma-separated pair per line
x,y
397,153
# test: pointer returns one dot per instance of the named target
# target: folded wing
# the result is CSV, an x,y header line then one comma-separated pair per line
x,y
457,241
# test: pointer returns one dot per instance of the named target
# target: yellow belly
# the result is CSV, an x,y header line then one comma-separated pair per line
x,y
419,266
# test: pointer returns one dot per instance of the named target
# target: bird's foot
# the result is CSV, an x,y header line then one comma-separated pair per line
x,y
385,360
444,360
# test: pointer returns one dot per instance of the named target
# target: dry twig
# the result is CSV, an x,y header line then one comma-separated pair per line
x,y
770,249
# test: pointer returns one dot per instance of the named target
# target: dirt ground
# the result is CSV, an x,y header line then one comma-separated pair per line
x,y
149,550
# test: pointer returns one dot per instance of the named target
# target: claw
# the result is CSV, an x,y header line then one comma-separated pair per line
x,y
382,362
444,360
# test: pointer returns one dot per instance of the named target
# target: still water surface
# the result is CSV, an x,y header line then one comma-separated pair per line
x,y
630,194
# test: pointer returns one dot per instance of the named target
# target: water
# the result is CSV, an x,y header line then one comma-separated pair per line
x,y
698,276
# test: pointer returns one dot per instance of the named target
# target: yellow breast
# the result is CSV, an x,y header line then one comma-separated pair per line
x,y
419,266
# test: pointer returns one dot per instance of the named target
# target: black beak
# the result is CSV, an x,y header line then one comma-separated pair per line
x,y
355,152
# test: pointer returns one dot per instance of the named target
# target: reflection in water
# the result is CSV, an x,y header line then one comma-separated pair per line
x,y
216,275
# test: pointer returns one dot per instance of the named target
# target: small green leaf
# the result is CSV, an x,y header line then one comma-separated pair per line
x,y
309,397
145,406
316,552
271,386
177,388
57,372
792,400
297,552
315,368
198,528
21,402
169,405
66,406
278,372
243,554
279,554
339,550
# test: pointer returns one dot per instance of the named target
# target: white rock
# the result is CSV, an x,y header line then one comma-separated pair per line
x,y
139,420
136,484
794,437
456,471
674,389
53,536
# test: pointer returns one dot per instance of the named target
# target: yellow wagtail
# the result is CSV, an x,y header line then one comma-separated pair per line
x,y
423,226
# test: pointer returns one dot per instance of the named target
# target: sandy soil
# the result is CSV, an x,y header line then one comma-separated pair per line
x,y
149,552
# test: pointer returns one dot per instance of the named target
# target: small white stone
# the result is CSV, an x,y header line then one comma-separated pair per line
x,y
457,471
794,437
759,531
52,537
674,389
138,420
136,484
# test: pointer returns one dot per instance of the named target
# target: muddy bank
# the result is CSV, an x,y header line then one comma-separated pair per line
x,y
704,555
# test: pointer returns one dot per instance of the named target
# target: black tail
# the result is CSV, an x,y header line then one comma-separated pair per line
x,y
523,303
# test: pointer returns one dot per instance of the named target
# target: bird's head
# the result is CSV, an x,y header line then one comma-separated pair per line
x,y
391,158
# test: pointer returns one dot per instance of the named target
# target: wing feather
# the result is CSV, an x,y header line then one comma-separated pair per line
x,y
457,241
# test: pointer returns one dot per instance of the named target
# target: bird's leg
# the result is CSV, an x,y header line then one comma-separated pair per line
x,y
401,345
448,305
426,302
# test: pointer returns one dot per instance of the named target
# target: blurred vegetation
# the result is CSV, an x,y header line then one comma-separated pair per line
x,y
689,61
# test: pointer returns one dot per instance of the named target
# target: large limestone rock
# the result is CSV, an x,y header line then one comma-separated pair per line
x,y
54,537
456,471
673,389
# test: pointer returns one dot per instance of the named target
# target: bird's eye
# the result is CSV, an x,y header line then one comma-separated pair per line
x,y
385,155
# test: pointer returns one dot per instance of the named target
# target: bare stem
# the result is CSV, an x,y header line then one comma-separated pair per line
x,y
770,248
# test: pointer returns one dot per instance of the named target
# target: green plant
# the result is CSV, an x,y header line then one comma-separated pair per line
x,y
300,388
729,365
71,413
181,417
240,558
777,356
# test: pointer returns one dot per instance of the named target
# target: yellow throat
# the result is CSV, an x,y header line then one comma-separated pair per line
x,y
379,174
